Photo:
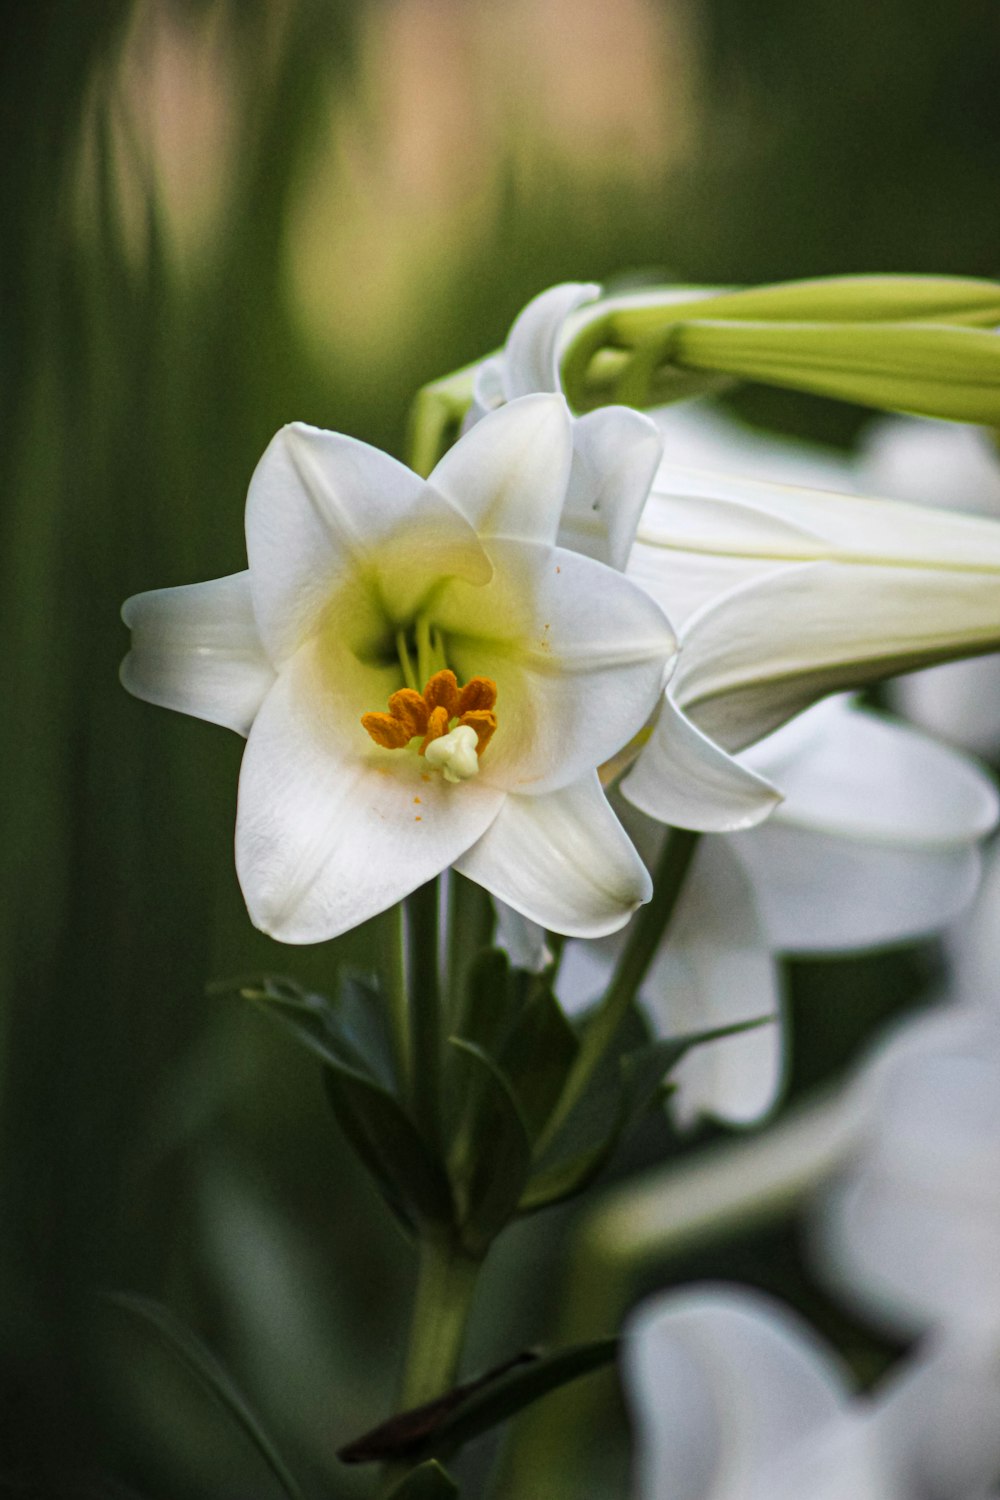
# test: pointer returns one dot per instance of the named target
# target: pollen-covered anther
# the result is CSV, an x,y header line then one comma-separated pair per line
x,y
436,715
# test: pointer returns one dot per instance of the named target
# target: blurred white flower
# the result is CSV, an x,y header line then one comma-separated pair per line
x,y
909,1232
875,843
948,464
733,1397
383,616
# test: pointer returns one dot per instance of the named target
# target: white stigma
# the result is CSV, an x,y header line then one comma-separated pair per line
x,y
454,754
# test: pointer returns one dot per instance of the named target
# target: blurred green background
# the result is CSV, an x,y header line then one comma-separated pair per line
x,y
219,217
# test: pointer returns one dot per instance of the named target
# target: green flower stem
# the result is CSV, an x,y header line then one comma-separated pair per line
x,y
445,1285
394,984
470,929
645,937
425,1011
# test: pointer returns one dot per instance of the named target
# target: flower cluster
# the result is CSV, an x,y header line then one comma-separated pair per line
x,y
576,636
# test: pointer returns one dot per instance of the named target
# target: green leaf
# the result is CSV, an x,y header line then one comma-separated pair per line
x,y
503,1398
179,1341
352,1030
412,1181
644,1070
537,1057
568,1176
488,1002
491,1154
586,1140
429,1482
608,1110
406,1434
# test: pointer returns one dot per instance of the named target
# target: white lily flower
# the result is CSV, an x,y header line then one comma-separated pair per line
x,y
910,1230
382,614
875,843
734,1398
949,464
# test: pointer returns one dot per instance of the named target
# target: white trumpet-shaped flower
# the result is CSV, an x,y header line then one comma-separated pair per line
x,y
735,1398
382,616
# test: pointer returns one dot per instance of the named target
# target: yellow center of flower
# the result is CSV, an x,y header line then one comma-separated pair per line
x,y
454,725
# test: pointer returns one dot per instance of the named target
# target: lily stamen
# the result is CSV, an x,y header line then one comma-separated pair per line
x,y
432,716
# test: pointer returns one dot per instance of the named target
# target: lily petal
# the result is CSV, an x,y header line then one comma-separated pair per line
x,y
508,474
327,835
578,654
718,970
939,1419
563,860
197,649
322,507
868,777
767,649
615,455
820,894
531,356
719,1382
684,779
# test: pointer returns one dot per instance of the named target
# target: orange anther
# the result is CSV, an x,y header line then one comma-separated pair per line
x,y
442,691
478,693
386,730
437,725
412,714
484,722
410,709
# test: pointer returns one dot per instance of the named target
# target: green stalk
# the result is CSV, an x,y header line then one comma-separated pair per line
x,y
445,1285
425,1011
394,983
470,929
645,937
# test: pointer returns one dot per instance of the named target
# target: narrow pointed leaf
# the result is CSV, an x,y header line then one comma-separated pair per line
x,y
644,1071
429,1482
488,1002
406,1434
409,1177
568,1176
180,1342
504,1398
537,1057
349,1031
492,1155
